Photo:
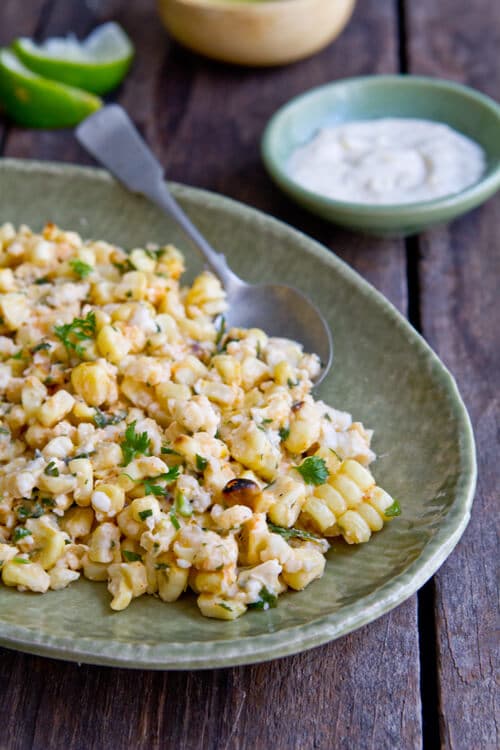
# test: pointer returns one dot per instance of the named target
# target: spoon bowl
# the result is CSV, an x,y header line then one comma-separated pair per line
x,y
279,310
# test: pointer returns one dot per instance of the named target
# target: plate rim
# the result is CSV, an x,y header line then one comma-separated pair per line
x,y
299,638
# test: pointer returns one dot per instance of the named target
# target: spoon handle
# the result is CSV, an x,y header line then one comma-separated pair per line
x,y
112,139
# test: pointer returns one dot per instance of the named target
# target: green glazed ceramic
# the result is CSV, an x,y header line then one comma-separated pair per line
x,y
384,373
464,109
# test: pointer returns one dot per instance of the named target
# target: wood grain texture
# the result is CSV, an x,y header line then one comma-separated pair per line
x,y
204,120
460,312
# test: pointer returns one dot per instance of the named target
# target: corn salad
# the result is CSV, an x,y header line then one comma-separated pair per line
x,y
145,445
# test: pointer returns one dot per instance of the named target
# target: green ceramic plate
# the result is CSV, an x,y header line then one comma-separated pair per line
x,y
384,373
372,97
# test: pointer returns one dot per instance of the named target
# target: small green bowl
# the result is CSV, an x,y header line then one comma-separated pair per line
x,y
464,109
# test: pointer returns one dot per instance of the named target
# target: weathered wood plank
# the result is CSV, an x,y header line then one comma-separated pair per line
x,y
461,319
204,120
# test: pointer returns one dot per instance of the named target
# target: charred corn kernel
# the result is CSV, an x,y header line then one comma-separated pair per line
x,y
28,575
172,580
371,516
354,528
306,565
214,582
104,544
251,447
349,490
112,344
359,474
49,541
127,581
318,514
42,253
7,552
176,391
14,309
55,408
332,499
283,373
33,395
188,371
77,522
82,411
141,261
146,510
92,382
253,372
128,525
133,285
219,608
83,472
305,428
57,485
228,368
219,393
95,571
62,577
254,538
107,500
380,500
7,280
289,497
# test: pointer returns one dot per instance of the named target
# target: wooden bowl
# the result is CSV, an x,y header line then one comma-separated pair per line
x,y
246,32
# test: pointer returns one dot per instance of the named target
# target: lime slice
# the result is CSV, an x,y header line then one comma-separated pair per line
x,y
97,64
37,102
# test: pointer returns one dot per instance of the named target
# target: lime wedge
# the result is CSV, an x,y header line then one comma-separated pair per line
x,y
37,102
97,64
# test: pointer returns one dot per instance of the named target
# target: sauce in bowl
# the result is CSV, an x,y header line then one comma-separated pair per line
x,y
387,161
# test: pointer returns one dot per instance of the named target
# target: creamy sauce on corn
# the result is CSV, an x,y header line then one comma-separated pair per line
x,y
388,161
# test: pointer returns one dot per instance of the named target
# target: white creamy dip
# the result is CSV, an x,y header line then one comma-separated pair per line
x,y
387,161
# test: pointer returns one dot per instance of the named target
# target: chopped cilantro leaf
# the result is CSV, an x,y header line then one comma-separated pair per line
x,y
18,355
221,331
34,510
42,280
313,470
266,600
20,560
130,556
4,431
103,420
80,268
20,533
80,329
393,510
183,506
201,463
169,451
175,520
292,533
143,514
135,444
44,346
51,470
224,606
154,489
162,566
284,433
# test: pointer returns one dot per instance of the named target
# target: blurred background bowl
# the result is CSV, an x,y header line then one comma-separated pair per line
x,y
255,32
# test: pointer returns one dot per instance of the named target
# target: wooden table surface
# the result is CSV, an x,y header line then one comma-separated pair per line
x,y
423,675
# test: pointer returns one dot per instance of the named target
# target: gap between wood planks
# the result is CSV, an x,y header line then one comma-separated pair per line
x,y
426,618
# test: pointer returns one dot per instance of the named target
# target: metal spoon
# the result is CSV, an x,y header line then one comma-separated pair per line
x,y
112,139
